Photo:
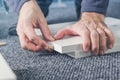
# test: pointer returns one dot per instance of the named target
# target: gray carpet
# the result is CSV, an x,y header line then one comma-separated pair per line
x,y
54,66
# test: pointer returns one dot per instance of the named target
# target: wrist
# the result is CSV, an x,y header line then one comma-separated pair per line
x,y
28,4
92,16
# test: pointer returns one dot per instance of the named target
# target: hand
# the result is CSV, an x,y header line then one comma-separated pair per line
x,y
31,17
94,32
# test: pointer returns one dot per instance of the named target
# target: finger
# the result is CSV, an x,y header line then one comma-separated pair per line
x,y
94,40
85,34
24,41
102,41
26,44
29,31
31,35
61,33
46,31
110,38
109,35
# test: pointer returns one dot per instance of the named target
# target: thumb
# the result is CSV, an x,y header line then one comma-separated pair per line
x,y
61,33
48,36
46,31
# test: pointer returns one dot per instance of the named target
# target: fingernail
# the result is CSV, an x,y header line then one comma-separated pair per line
x,y
95,53
51,38
86,49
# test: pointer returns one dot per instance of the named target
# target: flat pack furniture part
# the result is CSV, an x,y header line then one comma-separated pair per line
x,y
5,71
72,46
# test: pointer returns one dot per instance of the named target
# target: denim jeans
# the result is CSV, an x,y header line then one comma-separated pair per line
x,y
44,5
1,4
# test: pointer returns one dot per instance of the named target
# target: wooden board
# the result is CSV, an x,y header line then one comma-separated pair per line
x,y
5,71
73,45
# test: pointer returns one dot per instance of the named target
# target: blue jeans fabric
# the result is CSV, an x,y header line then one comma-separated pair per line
x,y
44,5
78,7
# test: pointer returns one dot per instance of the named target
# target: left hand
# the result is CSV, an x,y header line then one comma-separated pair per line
x,y
31,17
96,36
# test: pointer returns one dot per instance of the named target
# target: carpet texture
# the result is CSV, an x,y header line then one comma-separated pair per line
x,y
54,66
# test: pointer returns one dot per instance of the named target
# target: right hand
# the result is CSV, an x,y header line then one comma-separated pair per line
x,y
97,37
30,17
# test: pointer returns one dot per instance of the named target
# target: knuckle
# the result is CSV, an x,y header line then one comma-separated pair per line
x,y
110,32
101,33
86,32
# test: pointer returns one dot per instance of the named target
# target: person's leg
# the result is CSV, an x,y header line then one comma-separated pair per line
x,y
78,7
44,5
